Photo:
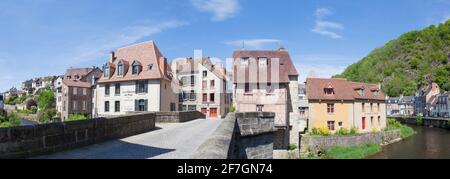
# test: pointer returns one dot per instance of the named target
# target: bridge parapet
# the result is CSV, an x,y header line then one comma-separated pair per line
x,y
241,136
29,141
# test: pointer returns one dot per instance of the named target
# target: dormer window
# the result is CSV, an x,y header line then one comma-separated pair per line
x,y
329,90
362,92
244,61
263,61
106,71
376,92
120,69
150,67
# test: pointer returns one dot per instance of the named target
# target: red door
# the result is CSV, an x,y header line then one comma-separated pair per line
x,y
363,123
213,112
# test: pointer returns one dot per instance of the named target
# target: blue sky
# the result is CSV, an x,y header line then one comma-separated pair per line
x,y
45,37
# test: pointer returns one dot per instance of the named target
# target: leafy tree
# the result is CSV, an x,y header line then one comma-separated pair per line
x,y
46,99
407,63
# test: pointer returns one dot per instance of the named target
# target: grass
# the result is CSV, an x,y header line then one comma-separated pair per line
x,y
404,129
355,152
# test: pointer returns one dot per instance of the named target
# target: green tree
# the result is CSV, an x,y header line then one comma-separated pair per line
x,y
46,100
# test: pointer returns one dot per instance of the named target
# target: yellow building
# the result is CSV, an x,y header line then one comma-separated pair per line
x,y
338,103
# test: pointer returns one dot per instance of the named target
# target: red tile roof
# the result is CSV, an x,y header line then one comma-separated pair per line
x,y
75,83
77,71
343,89
253,73
147,54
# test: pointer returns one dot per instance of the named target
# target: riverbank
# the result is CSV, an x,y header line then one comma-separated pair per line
x,y
356,147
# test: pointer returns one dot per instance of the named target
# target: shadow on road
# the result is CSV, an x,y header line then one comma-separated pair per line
x,y
111,150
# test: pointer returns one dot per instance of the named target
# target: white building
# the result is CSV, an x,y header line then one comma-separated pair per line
x,y
137,78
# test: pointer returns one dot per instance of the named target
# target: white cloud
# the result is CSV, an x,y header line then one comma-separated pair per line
x,y
324,27
255,44
125,36
221,9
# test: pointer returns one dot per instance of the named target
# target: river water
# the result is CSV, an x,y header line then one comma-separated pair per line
x,y
428,143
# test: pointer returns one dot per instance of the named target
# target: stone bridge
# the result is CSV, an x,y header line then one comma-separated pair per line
x,y
162,135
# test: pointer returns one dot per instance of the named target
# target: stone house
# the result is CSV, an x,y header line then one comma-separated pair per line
x,y
443,105
203,86
339,103
74,95
425,99
267,81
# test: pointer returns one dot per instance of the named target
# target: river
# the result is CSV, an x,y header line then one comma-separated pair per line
x,y
428,143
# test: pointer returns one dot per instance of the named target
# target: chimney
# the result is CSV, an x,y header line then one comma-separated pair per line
x,y
112,57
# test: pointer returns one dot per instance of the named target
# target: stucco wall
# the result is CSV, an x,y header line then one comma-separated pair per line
x,y
318,115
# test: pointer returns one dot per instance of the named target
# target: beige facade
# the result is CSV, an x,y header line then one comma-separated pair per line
x,y
204,87
338,103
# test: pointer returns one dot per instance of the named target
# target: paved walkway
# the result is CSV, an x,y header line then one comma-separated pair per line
x,y
172,141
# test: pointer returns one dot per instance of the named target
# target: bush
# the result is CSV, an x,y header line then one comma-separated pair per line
x,y
34,109
354,131
292,146
342,132
321,131
233,108
45,116
419,119
395,125
374,130
76,117
9,120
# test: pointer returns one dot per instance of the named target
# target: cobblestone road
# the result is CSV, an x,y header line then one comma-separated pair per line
x,y
172,141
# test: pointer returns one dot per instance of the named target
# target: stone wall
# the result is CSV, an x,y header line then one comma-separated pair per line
x,y
177,117
241,136
28,141
427,121
316,144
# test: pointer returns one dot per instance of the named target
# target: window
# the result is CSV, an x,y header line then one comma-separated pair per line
x,y
150,67
120,69
141,105
204,84
259,108
379,121
205,97
205,74
378,107
363,106
330,108
74,105
84,91
244,61
173,107
117,106
331,125
141,86
84,105
371,121
213,83
204,111
340,124
302,111
329,91
107,89
263,61
106,106
135,68
247,88
371,107
117,89
192,96
192,80
192,108
362,92
106,71
211,97
74,91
